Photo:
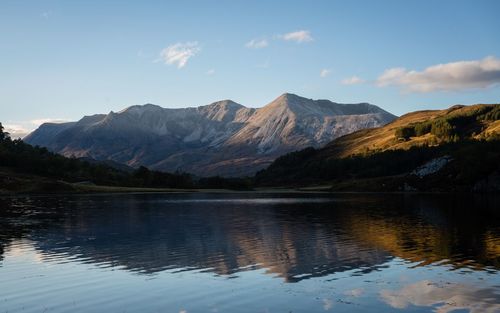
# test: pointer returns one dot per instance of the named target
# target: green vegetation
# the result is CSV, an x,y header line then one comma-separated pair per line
x,y
452,126
405,132
468,134
21,158
472,161
373,159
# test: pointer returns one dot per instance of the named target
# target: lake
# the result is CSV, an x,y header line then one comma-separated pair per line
x,y
250,252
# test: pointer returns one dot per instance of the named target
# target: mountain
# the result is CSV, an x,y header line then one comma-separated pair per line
x,y
456,149
28,169
223,138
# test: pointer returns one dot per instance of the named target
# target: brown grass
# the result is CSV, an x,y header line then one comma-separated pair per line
x,y
383,138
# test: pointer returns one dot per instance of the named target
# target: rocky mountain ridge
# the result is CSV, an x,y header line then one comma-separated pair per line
x,y
222,138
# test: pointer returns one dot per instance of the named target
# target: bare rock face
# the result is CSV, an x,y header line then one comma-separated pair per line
x,y
222,138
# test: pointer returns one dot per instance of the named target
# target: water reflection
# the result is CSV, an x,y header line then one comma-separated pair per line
x,y
444,297
294,238
249,253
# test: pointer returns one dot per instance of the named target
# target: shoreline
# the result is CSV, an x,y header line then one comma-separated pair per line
x,y
15,184
113,190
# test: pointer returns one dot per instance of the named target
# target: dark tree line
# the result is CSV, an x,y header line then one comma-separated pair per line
x,y
24,158
472,160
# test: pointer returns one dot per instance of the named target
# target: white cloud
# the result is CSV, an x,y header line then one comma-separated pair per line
x,y
460,75
298,36
16,131
324,72
38,122
354,80
257,43
179,53
210,72
19,129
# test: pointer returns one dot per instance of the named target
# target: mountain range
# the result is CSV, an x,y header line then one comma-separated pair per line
x,y
223,138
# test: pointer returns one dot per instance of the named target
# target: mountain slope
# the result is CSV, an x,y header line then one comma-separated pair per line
x,y
453,149
223,138
466,122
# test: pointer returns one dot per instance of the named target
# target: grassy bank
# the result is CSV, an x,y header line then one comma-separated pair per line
x,y
12,182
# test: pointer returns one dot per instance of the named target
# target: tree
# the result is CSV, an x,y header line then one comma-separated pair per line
x,y
3,135
442,129
422,128
144,176
405,132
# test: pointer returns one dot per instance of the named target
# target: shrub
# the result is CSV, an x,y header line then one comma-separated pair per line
x,y
423,128
442,129
405,132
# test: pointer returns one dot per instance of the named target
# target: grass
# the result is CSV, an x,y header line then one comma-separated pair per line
x,y
120,189
383,138
12,182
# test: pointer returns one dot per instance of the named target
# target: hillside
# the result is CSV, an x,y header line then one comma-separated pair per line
x,y
28,169
457,123
223,138
440,150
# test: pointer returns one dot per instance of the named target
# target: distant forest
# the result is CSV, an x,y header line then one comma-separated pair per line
x,y
24,158
473,160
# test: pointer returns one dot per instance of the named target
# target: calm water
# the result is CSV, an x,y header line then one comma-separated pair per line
x,y
249,253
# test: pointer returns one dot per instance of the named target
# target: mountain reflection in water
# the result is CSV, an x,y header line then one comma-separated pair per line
x,y
248,252
288,235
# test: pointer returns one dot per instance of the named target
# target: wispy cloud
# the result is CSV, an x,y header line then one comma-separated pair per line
x,y
210,72
299,36
324,72
460,75
16,131
179,54
38,122
354,80
19,129
257,43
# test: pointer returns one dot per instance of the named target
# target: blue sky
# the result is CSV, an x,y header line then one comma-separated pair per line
x,y
60,60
